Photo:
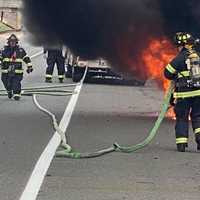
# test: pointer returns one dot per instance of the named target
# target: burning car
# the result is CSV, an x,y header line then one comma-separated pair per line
x,y
98,69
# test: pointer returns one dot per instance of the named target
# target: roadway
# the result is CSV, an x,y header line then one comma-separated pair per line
x,y
104,114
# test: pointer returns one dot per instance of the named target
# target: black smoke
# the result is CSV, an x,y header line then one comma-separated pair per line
x,y
181,16
113,29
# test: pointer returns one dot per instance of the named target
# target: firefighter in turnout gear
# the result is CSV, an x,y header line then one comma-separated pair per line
x,y
54,56
12,58
184,70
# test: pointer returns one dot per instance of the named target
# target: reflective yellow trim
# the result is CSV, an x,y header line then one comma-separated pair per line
x,y
11,60
6,60
171,69
48,76
61,76
5,71
19,71
29,65
186,94
18,60
197,131
183,74
17,95
181,140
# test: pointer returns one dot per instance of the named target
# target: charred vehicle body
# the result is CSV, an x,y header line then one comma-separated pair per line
x,y
98,69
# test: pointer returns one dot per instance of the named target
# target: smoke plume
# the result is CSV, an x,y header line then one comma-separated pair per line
x,y
118,30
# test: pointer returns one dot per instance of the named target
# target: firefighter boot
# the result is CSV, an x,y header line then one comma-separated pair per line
x,y
48,80
181,147
10,94
61,80
17,98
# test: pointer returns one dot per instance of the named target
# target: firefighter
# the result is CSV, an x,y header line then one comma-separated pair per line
x,y
12,58
54,56
184,70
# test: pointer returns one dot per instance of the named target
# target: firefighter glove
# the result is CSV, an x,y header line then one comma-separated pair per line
x,y
29,70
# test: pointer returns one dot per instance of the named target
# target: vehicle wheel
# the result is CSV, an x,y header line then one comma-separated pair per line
x,y
77,74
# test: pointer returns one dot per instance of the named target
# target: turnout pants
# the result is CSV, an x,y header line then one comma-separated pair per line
x,y
60,62
12,83
185,108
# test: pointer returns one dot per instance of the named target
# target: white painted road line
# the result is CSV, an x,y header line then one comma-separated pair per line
x,y
36,179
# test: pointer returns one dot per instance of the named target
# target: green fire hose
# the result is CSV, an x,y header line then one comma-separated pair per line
x,y
154,130
116,147
57,90
68,151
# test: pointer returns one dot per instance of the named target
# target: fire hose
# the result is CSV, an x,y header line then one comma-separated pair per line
x,y
67,151
128,149
44,90
154,130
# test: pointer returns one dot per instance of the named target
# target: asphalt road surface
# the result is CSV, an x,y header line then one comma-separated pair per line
x,y
104,114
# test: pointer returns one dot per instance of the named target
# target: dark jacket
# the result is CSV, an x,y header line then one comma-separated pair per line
x,y
15,57
177,70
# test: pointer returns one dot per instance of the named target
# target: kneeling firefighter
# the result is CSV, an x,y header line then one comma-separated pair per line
x,y
12,58
184,70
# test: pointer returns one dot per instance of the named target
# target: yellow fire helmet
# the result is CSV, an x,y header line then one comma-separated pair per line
x,y
182,39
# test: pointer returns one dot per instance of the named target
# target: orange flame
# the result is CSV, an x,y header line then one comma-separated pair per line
x,y
150,62
158,54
